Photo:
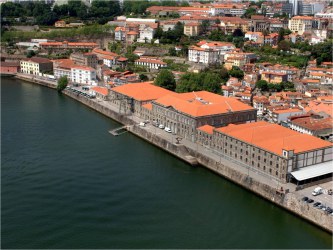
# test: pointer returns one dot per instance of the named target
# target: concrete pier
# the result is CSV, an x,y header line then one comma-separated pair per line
x,y
290,201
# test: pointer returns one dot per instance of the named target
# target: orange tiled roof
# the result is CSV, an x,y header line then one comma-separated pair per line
x,y
150,60
207,129
202,103
303,17
82,67
64,63
103,52
144,91
273,137
317,106
102,90
314,124
148,106
282,111
37,60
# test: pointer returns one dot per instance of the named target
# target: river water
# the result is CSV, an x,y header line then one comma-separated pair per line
x,y
68,183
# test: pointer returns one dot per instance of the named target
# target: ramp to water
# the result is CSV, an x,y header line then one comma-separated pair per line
x,y
119,131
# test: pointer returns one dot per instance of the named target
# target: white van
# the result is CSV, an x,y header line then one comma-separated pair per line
x,y
317,191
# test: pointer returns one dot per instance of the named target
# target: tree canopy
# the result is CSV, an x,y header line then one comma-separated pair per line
x,y
62,83
208,81
100,10
165,79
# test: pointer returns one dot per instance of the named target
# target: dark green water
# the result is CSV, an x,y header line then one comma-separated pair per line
x,y
67,183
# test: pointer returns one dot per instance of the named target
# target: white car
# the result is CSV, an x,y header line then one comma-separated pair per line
x,y
161,126
142,124
317,191
167,130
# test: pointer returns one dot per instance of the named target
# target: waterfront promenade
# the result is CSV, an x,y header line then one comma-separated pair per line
x,y
215,161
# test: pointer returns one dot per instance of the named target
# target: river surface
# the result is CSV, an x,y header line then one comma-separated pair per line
x,y
67,183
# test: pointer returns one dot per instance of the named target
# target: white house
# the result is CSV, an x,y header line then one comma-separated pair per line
x,y
221,47
83,75
120,34
201,55
150,62
146,34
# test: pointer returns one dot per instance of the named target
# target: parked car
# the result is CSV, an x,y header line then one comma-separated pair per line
x,y
142,124
167,130
305,198
310,201
161,126
155,123
317,191
316,204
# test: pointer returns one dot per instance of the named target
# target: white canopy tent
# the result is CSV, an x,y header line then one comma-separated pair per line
x,y
313,171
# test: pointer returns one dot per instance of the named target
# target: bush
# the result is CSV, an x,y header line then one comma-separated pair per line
x,y
62,83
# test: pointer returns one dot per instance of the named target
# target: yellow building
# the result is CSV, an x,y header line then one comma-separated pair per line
x,y
273,77
300,24
36,65
192,29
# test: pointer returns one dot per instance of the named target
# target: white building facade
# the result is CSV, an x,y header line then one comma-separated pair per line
x,y
83,75
201,55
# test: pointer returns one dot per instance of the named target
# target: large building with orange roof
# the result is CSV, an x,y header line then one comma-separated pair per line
x,y
132,97
184,113
274,150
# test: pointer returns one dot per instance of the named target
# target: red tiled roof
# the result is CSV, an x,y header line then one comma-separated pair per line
x,y
314,124
83,67
37,60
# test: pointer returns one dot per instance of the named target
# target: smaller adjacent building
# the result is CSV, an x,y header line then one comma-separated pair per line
x,y
281,115
274,77
36,65
301,24
120,34
203,55
150,62
83,75
101,93
85,59
192,29
312,124
260,103
9,67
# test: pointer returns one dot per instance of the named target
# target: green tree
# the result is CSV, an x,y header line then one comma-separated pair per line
x,y
212,83
281,35
172,51
165,79
238,32
236,72
262,85
31,53
284,45
143,77
287,85
204,26
249,12
62,83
